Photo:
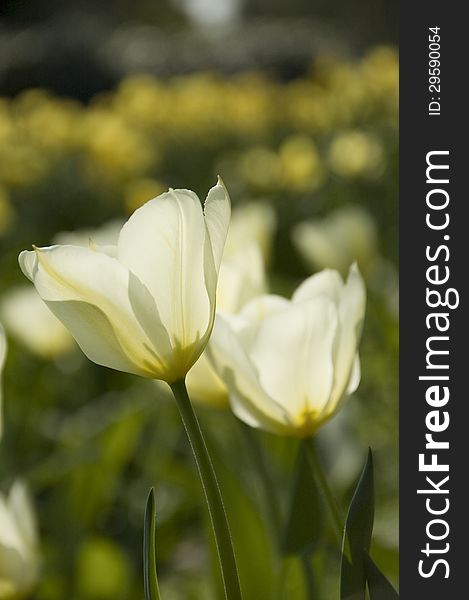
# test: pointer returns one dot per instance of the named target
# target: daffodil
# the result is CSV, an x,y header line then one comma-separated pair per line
x,y
289,365
147,305
19,553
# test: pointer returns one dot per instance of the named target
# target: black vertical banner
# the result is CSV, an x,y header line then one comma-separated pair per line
x,y
434,267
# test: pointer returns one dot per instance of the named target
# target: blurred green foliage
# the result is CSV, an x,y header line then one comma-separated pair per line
x,y
91,442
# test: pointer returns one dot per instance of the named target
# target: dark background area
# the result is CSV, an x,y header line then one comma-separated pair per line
x,y
81,48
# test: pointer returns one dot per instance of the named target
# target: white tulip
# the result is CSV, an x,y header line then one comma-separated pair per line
x,y
28,319
3,351
19,553
288,365
146,306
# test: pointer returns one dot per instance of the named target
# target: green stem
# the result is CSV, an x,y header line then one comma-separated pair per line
x,y
323,485
212,493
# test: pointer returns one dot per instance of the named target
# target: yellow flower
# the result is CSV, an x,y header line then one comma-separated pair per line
x,y
147,305
260,167
288,365
301,164
355,154
19,555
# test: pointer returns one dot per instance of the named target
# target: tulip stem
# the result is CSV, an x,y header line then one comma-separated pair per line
x,y
212,492
321,480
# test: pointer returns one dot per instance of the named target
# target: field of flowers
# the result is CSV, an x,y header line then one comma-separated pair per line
x,y
311,169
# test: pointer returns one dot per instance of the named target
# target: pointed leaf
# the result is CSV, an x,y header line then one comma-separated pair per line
x,y
305,524
150,579
378,585
357,536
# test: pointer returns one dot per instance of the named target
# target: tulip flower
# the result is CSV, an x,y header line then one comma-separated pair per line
x,y
3,351
19,555
147,305
289,365
29,320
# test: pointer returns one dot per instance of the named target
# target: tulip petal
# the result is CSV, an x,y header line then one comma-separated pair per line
x,y
351,314
248,400
241,277
217,211
355,376
293,353
89,292
204,384
22,512
95,335
250,318
326,283
163,244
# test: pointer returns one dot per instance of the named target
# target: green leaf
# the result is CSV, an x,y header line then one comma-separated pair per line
x,y
357,536
150,579
378,585
305,523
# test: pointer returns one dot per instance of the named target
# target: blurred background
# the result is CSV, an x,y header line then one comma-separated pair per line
x,y
105,105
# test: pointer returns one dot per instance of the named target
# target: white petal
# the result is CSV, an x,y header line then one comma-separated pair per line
x,y
248,400
292,352
251,222
9,535
241,278
326,283
22,512
204,384
250,318
89,292
351,315
355,376
217,211
163,244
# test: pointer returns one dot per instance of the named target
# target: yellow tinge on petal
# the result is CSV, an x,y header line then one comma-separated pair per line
x,y
147,304
289,365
